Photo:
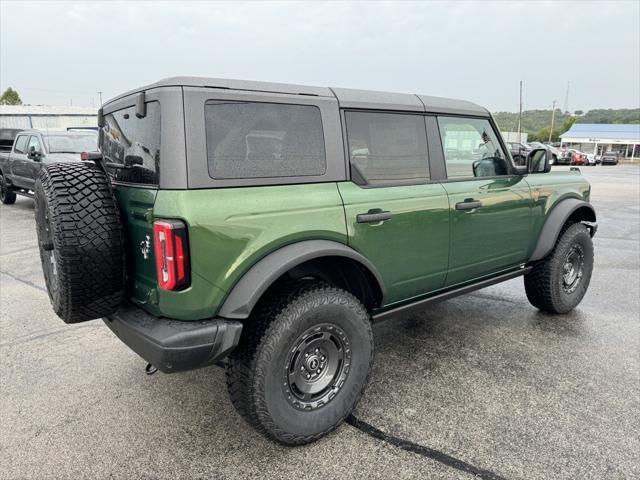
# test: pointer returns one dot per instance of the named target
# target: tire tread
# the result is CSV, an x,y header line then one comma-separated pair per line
x,y
88,240
244,376
539,284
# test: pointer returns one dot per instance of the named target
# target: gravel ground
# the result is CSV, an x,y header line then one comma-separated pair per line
x,y
480,385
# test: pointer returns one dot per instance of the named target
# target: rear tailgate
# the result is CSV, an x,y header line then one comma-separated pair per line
x,y
136,209
130,144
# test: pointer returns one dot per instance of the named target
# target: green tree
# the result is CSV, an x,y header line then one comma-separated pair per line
x,y
542,135
567,124
10,97
535,120
578,112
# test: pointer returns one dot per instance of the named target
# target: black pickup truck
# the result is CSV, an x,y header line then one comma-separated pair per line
x,y
22,159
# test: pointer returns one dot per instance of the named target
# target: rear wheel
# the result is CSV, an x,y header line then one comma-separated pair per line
x,y
302,363
80,241
558,283
7,195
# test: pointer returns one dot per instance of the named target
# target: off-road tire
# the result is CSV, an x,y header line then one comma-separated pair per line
x,y
255,368
544,285
80,240
7,195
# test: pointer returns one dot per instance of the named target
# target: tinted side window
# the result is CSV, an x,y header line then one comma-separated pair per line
x,y
388,148
21,144
471,148
260,140
133,143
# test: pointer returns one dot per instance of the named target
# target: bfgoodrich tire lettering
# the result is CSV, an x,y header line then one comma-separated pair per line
x,y
558,283
80,241
257,372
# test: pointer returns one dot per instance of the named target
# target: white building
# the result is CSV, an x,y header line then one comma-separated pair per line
x,y
514,137
598,138
47,117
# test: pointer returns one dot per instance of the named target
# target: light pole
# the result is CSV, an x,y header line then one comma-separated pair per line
x,y
520,116
553,118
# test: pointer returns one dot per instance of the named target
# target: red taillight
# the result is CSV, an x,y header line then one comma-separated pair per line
x,y
172,254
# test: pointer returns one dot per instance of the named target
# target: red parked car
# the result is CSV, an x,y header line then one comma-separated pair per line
x,y
577,157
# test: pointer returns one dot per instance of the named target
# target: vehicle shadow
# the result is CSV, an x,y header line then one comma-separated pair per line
x,y
22,204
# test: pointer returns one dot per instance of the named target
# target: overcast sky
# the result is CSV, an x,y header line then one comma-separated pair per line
x,y
58,52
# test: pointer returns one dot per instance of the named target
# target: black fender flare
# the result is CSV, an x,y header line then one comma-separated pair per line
x,y
555,220
248,290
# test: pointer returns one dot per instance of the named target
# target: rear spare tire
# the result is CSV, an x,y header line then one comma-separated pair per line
x,y
80,240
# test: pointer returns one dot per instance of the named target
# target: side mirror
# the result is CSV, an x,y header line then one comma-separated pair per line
x,y
539,161
34,154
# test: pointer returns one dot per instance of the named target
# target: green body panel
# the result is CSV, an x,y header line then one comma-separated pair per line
x,y
547,190
411,249
426,246
493,237
230,229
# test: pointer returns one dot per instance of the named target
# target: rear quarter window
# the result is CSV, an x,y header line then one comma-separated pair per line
x,y
133,143
263,140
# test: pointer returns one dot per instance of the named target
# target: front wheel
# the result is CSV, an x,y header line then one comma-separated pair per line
x,y
558,283
302,363
7,195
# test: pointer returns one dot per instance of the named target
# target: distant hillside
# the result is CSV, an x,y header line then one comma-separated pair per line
x,y
537,122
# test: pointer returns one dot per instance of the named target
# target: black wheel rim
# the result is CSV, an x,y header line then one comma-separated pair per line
x,y
573,269
317,367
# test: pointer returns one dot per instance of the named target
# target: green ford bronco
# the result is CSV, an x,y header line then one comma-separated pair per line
x,y
264,227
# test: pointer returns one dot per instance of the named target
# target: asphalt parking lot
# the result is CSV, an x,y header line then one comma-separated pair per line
x,y
481,385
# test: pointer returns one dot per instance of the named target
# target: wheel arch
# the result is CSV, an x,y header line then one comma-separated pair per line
x,y
568,210
328,260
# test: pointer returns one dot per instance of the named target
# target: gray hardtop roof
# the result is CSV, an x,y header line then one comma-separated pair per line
x,y
347,98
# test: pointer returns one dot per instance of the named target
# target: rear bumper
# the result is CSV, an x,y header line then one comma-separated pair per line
x,y
173,345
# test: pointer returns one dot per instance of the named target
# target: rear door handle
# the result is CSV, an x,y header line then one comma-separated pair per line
x,y
469,204
373,217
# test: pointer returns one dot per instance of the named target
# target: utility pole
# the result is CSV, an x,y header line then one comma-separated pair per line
x,y
100,93
553,118
520,115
